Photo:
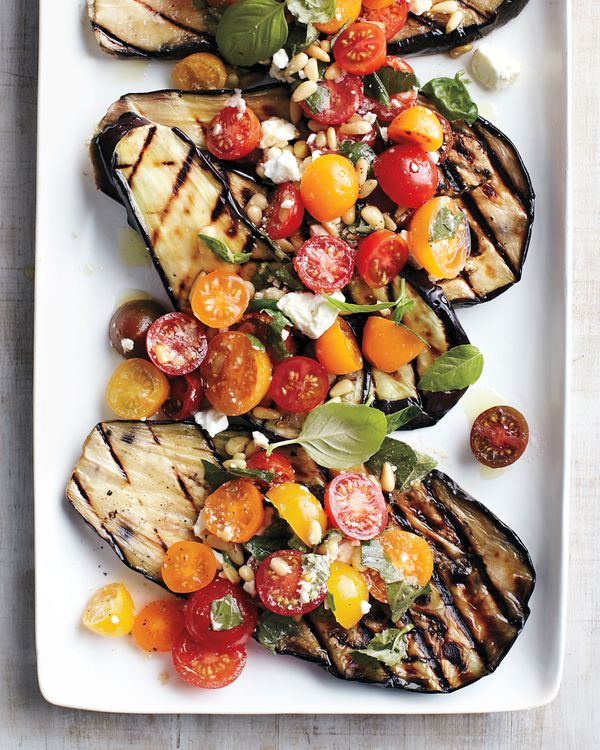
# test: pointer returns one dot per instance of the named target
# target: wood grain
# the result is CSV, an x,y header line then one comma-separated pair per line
x,y
26,721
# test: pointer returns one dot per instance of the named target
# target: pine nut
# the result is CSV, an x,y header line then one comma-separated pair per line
x,y
332,141
295,112
388,478
446,7
321,140
312,70
367,188
239,456
286,246
236,553
233,81
362,170
301,150
297,240
389,222
315,533
460,51
236,445
318,52
279,566
315,126
246,573
358,127
254,213
250,288
304,90
373,216
350,216
454,21
261,412
331,229
333,71
296,64
325,45
357,559
335,400
258,199
231,574
342,387
260,170
217,543
235,463
252,449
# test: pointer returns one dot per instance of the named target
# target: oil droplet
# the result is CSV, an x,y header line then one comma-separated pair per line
x,y
131,69
488,110
486,472
477,400
132,249
126,295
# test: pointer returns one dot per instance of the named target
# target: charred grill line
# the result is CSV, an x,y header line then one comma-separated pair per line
x,y
147,142
81,490
418,634
115,457
165,17
178,478
183,174
160,539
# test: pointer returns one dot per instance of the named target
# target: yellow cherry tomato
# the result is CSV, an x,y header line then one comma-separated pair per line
x,y
137,389
388,346
439,237
329,187
201,70
110,611
346,12
337,350
409,553
418,125
376,4
300,508
349,590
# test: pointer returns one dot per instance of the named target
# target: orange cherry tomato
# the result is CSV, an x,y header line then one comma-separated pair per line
x,y
439,237
188,566
389,346
349,590
236,373
300,508
419,125
110,611
234,512
158,624
360,49
219,299
329,187
137,389
376,585
337,349
376,4
409,553
201,70
346,11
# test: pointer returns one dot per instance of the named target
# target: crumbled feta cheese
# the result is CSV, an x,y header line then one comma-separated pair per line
x,y
310,313
370,117
287,203
384,134
365,608
127,345
311,139
280,59
217,128
418,7
212,421
250,587
345,552
492,68
260,440
281,168
315,533
236,100
317,230
279,566
218,557
271,292
277,132
434,156
285,334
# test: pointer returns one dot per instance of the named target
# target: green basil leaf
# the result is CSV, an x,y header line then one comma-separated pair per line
x,y
225,613
403,304
403,417
401,596
397,81
372,556
215,475
312,11
273,629
446,224
388,647
454,370
451,98
274,537
300,38
355,150
251,30
338,436
350,307
410,465
284,274
275,339
221,250
256,343
296,543
263,304
374,89
330,601
199,4
318,101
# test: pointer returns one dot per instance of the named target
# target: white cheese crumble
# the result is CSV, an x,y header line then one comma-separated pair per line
x,y
287,203
277,132
310,313
250,587
236,100
127,345
279,566
280,59
271,292
281,167
365,608
493,68
212,421
260,440
418,7
217,128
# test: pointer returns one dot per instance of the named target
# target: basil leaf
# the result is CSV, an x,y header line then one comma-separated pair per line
x,y
338,436
251,30
446,224
312,11
401,596
403,304
225,614
263,304
273,629
403,417
350,307
215,475
221,250
451,98
410,465
275,340
374,89
372,556
199,4
274,538
330,601
318,101
388,647
256,343
454,370
397,81
355,150
281,274
300,38
296,543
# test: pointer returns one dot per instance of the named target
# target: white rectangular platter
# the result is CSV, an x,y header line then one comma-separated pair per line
x,y
84,266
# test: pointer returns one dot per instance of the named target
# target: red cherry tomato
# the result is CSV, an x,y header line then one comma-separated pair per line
x,y
284,213
233,134
276,463
176,343
259,324
185,396
345,97
393,17
407,175
324,264
499,436
278,584
299,384
380,257
399,102
360,49
356,506
198,621
202,667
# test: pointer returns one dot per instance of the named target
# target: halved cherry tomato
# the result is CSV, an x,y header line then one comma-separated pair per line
x,y
137,389
176,343
276,464
392,15
157,626
110,611
324,263
360,48
329,187
279,584
129,326
439,237
188,566
356,506
236,374
299,384
204,668
349,590
185,397
499,436
380,257
388,346
375,584
234,512
219,299
201,70
337,350
298,507
418,125
233,133
345,97
284,213
258,324
199,623
409,553
346,11
398,102
406,174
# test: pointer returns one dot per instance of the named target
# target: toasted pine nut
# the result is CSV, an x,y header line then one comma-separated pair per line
x,y
239,456
325,45
233,81
252,449
349,216
246,573
373,216
332,141
335,400
234,463
445,7
315,126
231,574
333,71
254,213
236,553
315,533
362,170
297,240
331,229
304,90
297,63
258,199
341,388
321,140
301,150
286,246
358,127
367,188
454,21
236,445
261,412
295,112
357,559
389,222
318,52
388,478
460,51
279,566
311,69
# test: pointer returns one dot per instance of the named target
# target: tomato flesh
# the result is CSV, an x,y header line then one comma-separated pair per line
x,y
329,187
296,504
233,133
345,97
188,566
392,15
234,512
360,49
285,212
176,343
219,299
409,553
324,264
348,589
185,396
110,611
276,464
158,625
406,175
204,668
380,257
388,346
337,350
356,506
258,324
137,389
398,102
129,326
419,125
299,384
280,592
499,436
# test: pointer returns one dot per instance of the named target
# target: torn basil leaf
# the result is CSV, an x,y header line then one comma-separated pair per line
x,y
220,249
312,11
403,417
215,475
375,90
410,465
372,556
274,537
454,370
225,613
401,596
273,629
300,37
446,224
355,150
451,98
280,274
388,647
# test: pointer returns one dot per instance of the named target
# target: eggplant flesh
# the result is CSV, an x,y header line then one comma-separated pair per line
x,y
140,486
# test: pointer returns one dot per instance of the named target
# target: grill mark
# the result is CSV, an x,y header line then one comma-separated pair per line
x,y
160,539
499,167
138,161
180,180
82,492
167,51
178,478
115,457
174,22
425,648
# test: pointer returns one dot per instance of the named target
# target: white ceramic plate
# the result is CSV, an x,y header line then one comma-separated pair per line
x,y
84,267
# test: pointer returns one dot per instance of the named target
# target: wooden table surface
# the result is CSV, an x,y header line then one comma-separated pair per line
x,y
26,721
